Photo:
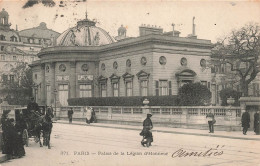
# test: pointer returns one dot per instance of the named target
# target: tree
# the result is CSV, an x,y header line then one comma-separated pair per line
x,y
194,94
227,93
18,91
241,50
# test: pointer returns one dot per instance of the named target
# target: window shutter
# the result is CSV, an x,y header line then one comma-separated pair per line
x,y
157,88
170,88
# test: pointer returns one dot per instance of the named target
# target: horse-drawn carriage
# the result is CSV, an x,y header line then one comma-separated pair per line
x,y
34,123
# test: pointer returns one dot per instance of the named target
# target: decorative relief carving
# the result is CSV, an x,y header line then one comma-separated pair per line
x,y
115,65
85,77
162,60
62,78
143,61
84,67
62,68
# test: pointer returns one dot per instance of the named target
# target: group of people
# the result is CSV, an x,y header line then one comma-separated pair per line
x,y
245,121
13,144
90,115
12,136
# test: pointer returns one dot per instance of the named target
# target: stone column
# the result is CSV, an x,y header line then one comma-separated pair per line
x,y
73,79
53,81
43,87
95,81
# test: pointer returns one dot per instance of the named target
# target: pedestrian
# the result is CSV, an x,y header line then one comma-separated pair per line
x,y
88,114
256,123
70,113
32,107
146,133
7,138
93,116
245,121
211,121
17,130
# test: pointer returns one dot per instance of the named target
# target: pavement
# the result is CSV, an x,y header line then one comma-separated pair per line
x,y
223,134
197,132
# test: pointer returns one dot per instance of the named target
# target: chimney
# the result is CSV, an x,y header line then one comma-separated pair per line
x,y
173,29
16,27
193,27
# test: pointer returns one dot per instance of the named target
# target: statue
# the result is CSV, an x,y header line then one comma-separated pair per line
x,y
96,39
122,31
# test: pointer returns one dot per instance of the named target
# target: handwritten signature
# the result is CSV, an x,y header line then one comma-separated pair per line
x,y
208,153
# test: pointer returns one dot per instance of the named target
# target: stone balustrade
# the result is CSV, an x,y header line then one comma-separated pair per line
x,y
228,118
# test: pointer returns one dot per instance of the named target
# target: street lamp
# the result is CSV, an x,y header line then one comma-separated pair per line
x,y
55,93
35,87
146,109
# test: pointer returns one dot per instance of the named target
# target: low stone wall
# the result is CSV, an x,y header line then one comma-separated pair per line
x,y
228,118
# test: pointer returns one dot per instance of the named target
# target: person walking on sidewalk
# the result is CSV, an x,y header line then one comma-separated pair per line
x,y
88,114
256,123
211,121
70,113
146,133
245,121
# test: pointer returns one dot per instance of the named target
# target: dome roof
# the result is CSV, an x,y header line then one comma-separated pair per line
x,y
84,34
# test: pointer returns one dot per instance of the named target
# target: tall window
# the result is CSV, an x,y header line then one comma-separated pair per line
x,y
144,87
129,88
103,90
2,57
63,94
2,37
115,89
14,58
85,90
2,48
163,87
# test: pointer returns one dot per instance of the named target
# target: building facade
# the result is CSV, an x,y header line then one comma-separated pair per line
x,y
87,62
19,47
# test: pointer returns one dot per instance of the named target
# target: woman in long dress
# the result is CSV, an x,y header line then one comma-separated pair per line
x,y
88,114
7,146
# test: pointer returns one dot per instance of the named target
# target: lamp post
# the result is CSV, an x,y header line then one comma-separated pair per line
x,y
146,109
55,93
230,101
35,87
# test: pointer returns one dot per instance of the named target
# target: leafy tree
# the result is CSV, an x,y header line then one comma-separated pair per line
x,y
19,90
227,93
194,94
241,51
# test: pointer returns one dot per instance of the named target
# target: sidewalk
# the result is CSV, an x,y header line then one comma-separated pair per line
x,y
223,134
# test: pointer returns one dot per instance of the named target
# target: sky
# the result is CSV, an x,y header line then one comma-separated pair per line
x,y
213,20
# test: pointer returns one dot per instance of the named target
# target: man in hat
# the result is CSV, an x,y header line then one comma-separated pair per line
x,y
245,120
70,113
146,133
32,106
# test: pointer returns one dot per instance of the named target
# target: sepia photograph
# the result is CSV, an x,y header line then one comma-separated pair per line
x,y
129,83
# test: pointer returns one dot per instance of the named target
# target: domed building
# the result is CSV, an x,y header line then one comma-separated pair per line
x,y
87,62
